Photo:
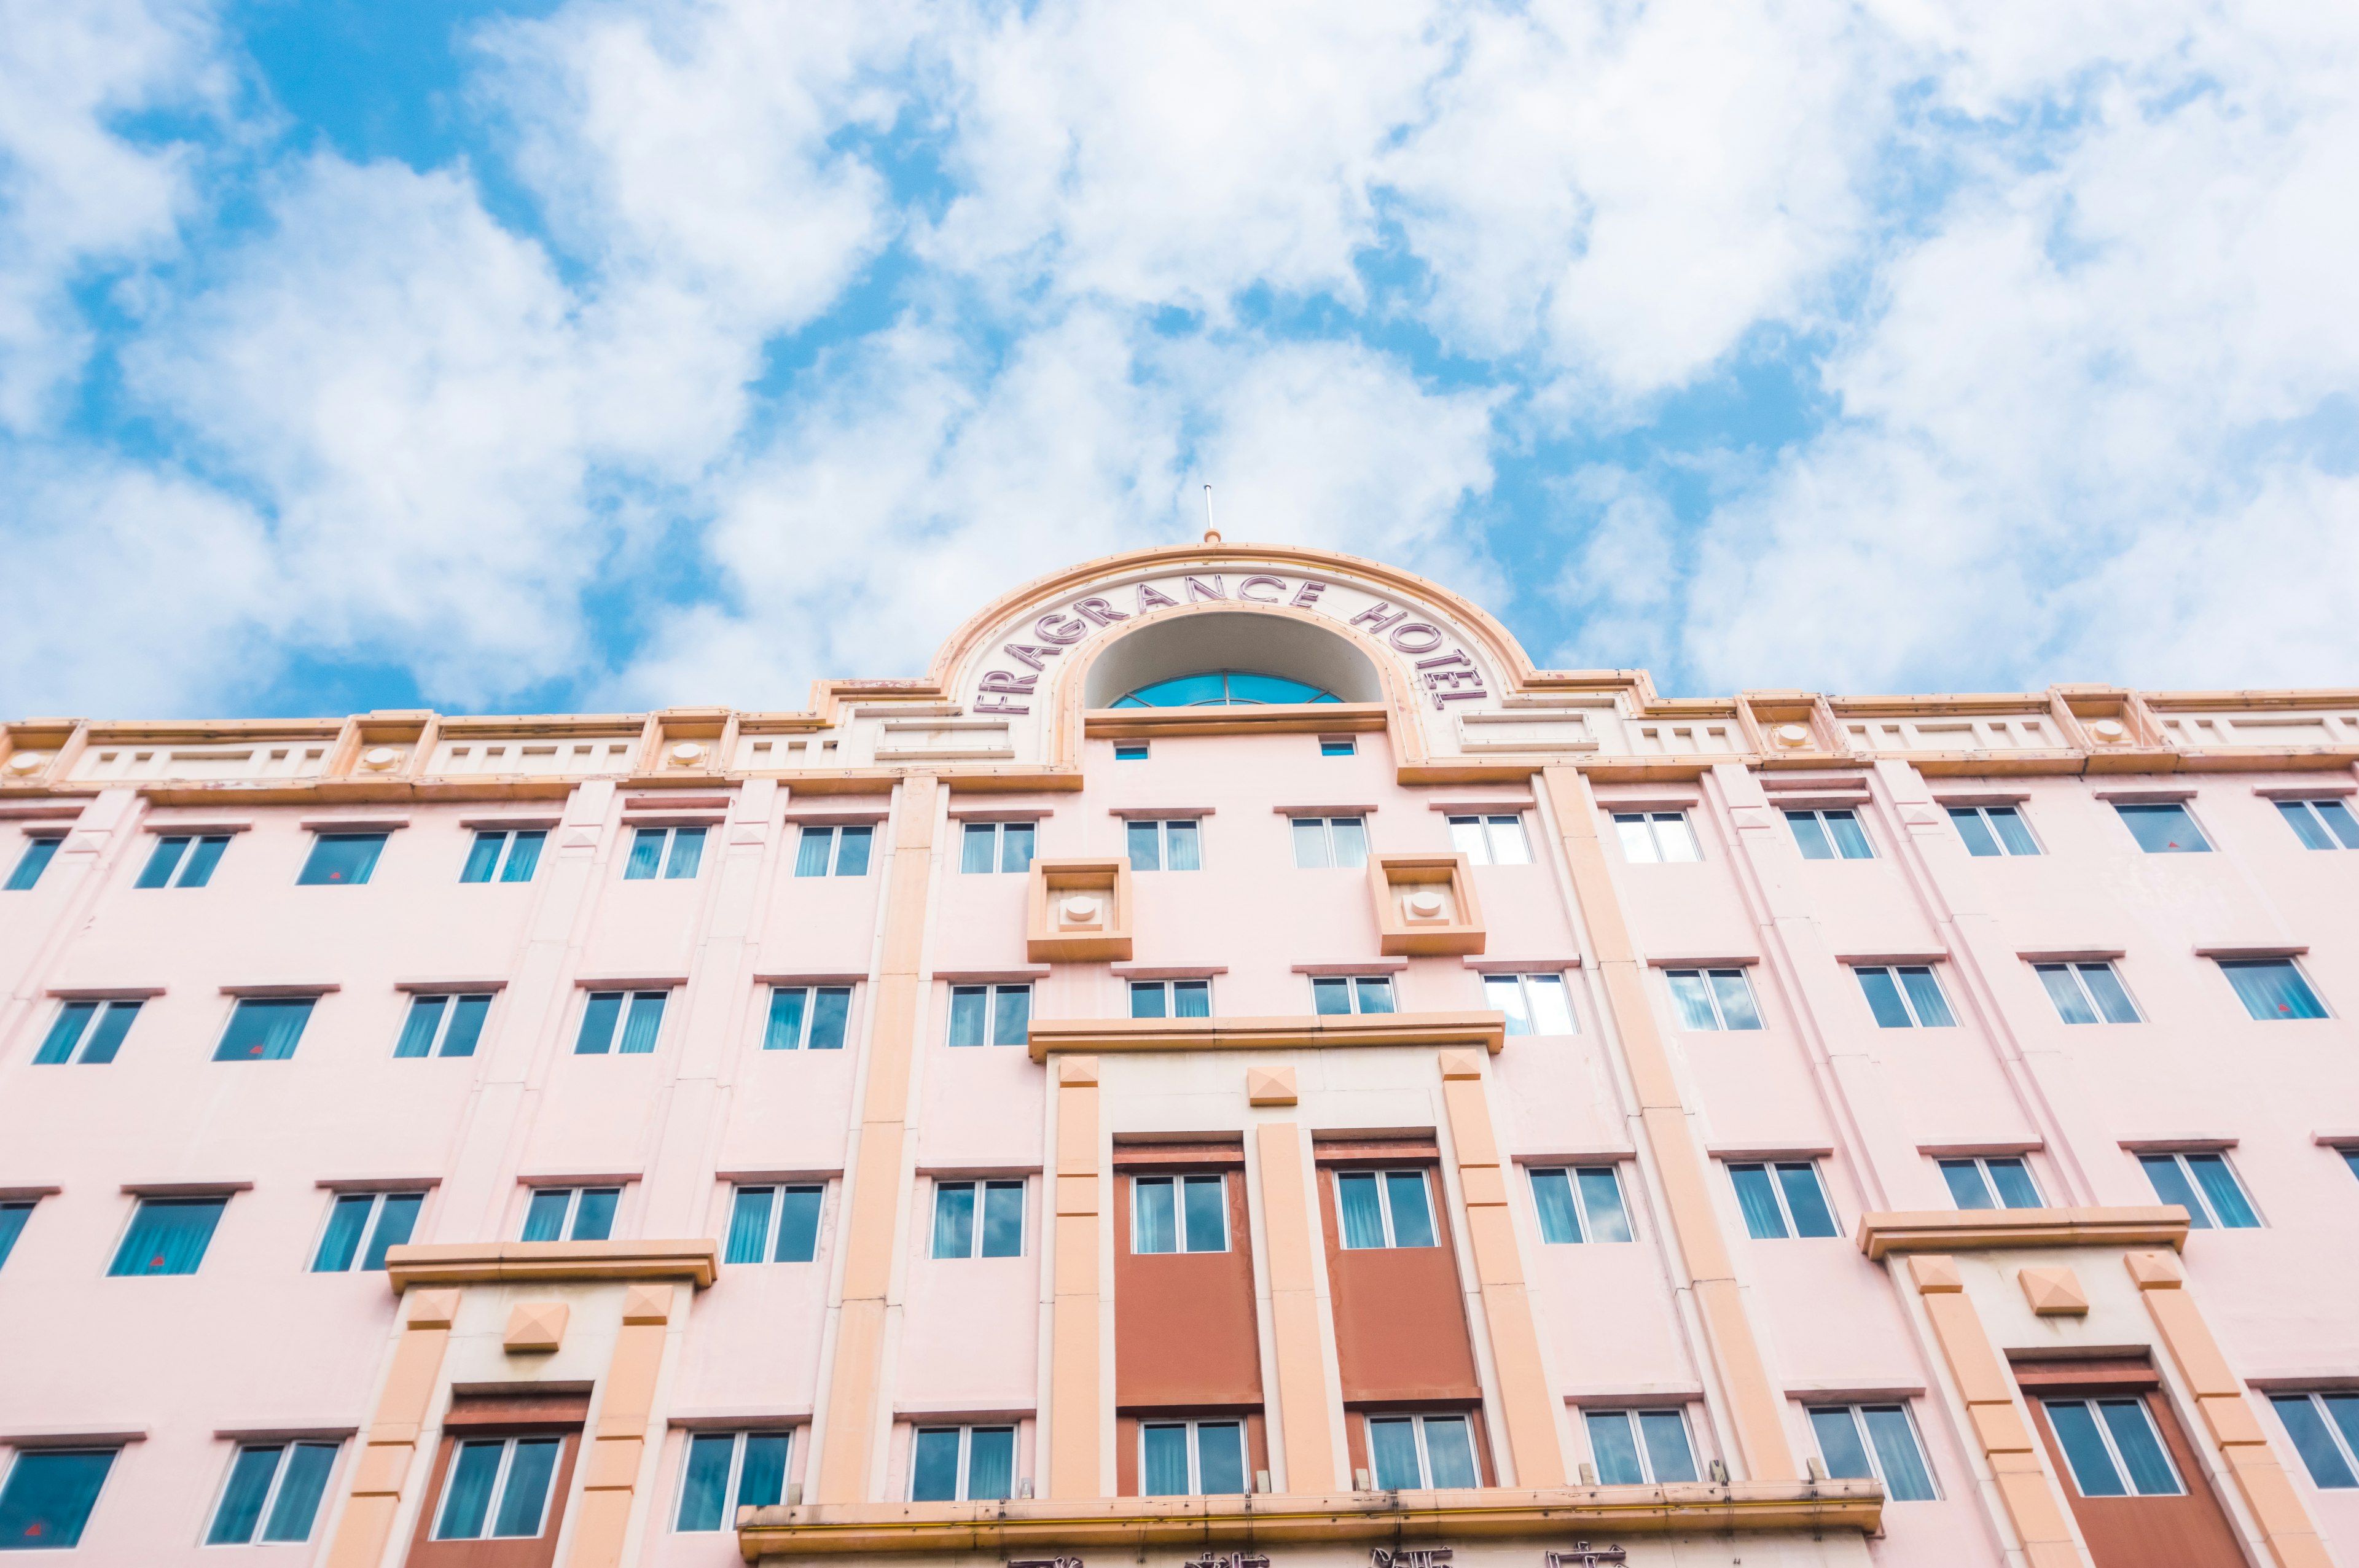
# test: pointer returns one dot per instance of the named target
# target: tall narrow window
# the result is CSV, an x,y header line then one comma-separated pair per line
x,y
38,853
1413,1452
2204,1185
1991,831
725,1471
1170,999
272,1493
1192,1459
1493,841
1830,834
1583,1204
626,1023
46,1502
1634,1448
808,1018
361,1226
1996,1180
341,860
2272,988
1170,846
571,1214
2087,993
443,1024
2111,1448
1179,1214
961,1463
182,860
776,1224
995,847
497,1488
2322,824
2325,1431
509,856
1649,837
1906,996
1535,1004
1353,993
675,854
13,1215
991,1015
2165,829
979,1219
263,1029
838,852
1384,1209
168,1236
1321,841
1879,1443
1712,999
86,1032
1782,1199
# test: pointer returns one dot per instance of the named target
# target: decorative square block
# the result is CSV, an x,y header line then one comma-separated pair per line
x,y
2053,1292
1270,1085
535,1327
1078,911
1425,905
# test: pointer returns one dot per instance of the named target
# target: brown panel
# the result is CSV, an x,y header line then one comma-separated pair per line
x,y
1184,1332
2187,1532
1125,1441
1222,1156
542,1407
1400,1313
539,1551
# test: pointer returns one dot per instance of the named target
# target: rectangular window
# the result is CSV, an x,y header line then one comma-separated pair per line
x,y
1170,999
1384,1209
1828,834
996,1232
47,1500
776,1224
2203,1185
725,1471
1879,1443
2087,993
88,1032
609,1024
991,1015
2272,988
995,847
361,1226
571,1214
2166,830
1412,1452
1781,1199
1170,846
1649,837
1712,999
508,857
1353,993
1179,1214
13,1215
443,1024
341,859
1535,1004
1583,1203
38,853
263,1029
1906,996
1639,1448
2111,1448
2325,1431
834,851
273,1494
1192,1459
1998,1180
1131,753
673,853
1344,748
181,860
168,1236
1491,840
808,1018
497,1488
1993,830
2322,824
1320,841
961,1463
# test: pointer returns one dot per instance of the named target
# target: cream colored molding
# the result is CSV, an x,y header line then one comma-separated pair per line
x,y
1311,1032
519,1262
1978,1229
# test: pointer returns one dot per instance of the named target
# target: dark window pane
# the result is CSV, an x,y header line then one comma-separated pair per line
x,y
1412,1214
798,1225
1359,1208
1967,1189
1332,996
955,1219
1974,830
2013,1180
933,1468
263,1029
1839,1444
2163,830
1759,1199
524,855
306,1481
1003,1219
1191,998
1449,1452
1905,1477
2085,1450
786,1030
1666,1445
1883,999
396,1218
597,1036
2272,988
762,1478
991,1463
467,1016
240,1513
1154,1220
1601,1201
1849,837
2312,1442
2170,1185
646,854
483,856
1011,1015
38,853
523,1499
162,862
341,858
2133,1439
1219,1458
48,1497
467,1491
201,861
1552,1196
749,1224
65,1034
593,1217
1392,1447
1613,1448
2065,991
643,1023
168,1236
105,1039
2113,1001
813,852
2339,821
2009,823
2219,1184
970,1007
687,854
1925,995
1179,838
1146,999
12,1225
1374,994
1015,846
704,1480
1146,841
340,1242
831,1011
851,859
544,1217
1208,1214
1805,1201
1735,998
417,1030
1809,837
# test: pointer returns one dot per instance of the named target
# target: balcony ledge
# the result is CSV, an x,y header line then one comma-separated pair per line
x,y
520,1262
1300,1031
1983,1229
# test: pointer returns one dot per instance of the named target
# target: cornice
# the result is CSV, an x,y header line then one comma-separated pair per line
x,y
1989,1229
1312,1031
524,1263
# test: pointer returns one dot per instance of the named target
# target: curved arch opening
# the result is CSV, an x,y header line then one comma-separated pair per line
x,y
1224,658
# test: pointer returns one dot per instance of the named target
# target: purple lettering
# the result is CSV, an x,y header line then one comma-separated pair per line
x,y
1422,631
1307,595
1438,679
1066,630
999,705
1006,680
1441,696
1445,659
1099,610
1028,654
1244,588
1150,598
1375,619
1196,589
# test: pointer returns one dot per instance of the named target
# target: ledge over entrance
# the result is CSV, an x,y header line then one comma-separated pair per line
x,y
475,1262
1973,1229
1311,1032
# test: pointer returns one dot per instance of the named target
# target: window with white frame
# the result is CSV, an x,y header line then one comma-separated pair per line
x,y
1352,993
961,1463
512,854
1830,834
2164,827
443,1023
182,860
2088,993
1130,752
1535,1004
2272,989
2325,824
1712,999
1581,1203
991,1015
361,1226
1990,830
1905,996
674,854
1192,1459
988,847
86,1032
46,1502
979,1219
341,859
808,1018
1179,1214
1384,1209
1651,836
1493,840
1338,746
40,850
168,1236
571,1214
1170,999
1635,1448
2111,1448
834,851
773,1224
625,1023
497,1488
13,1215
263,1029
1171,845
2324,1427
272,1493
1990,1181
2205,1186
1321,841
1414,1452
1861,1442
1782,1199
724,1471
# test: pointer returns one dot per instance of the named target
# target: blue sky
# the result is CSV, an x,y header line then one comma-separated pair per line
x,y
588,356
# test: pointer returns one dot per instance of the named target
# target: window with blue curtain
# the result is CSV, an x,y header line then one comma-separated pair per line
x,y
38,853
341,860
775,1225
86,1032
673,853
168,1236
13,1215
571,1214
1179,1214
1906,996
1167,845
962,1464
1192,1459
1861,1443
1781,1199
273,1494
1993,830
2087,993
1579,1206
840,851
2272,988
1712,999
2201,1183
45,1503
182,860
361,1226
263,1029
1634,1448
2000,1181
2324,1427
808,1018
638,1014
991,1015
1384,1209
497,1488
443,1024
2166,828
725,1471
1830,834
504,856
995,1231
988,847
2111,1448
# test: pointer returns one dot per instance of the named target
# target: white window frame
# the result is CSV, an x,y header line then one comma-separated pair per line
x,y
1719,1016
1416,1420
185,861
2079,982
729,1503
966,1452
31,842
1981,1164
286,1448
811,1015
2300,972
572,1206
1180,1231
1327,840
1856,1410
450,1001
499,1494
670,837
1195,1469
1170,990
1425,1174
1821,813
2335,1435
1630,1415
1982,815
368,1228
776,1219
990,1014
1352,984
507,837
614,1046
996,831
1644,839
1527,984
982,1186
833,831
1163,826
2187,1174
1772,1166
1480,838
1581,1219
2113,1449
2309,806
1130,750
1908,1001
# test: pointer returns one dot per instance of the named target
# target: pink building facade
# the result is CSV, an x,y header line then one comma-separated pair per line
x,y
1234,1065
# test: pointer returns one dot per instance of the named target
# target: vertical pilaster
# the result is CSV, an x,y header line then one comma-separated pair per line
x,y
1075,1419
390,1443
1295,1308
618,1445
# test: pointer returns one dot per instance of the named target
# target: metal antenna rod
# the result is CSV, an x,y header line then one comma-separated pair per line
x,y
1211,534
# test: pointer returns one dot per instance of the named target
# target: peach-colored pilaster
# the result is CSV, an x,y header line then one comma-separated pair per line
x,y
874,1227
1075,1428
1755,1408
1523,1385
2244,1452
391,1441
2018,1465
1294,1311
626,1406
